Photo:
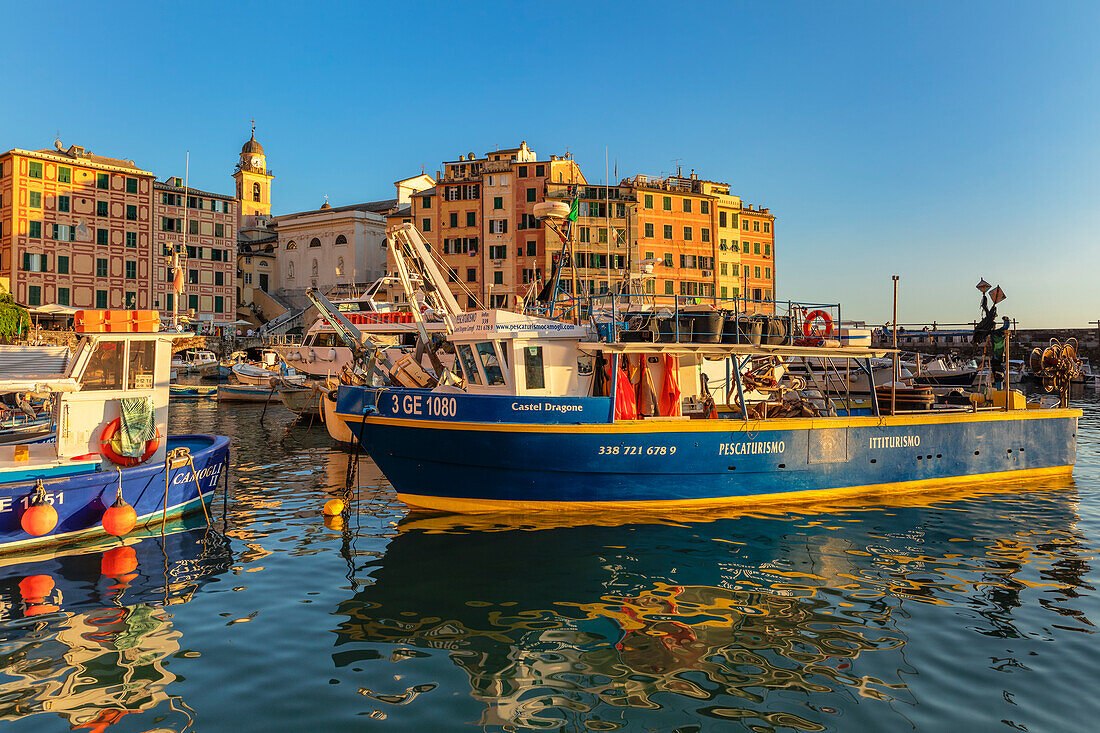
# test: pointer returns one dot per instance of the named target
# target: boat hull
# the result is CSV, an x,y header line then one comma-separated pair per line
x,y
448,465
244,393
80,500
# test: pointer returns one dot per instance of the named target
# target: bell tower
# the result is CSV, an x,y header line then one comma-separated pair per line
x,y
253,183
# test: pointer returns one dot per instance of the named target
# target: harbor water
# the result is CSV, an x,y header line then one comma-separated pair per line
x,y
961,610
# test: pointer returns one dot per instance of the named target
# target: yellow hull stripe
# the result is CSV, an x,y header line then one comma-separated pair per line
x,y
466,506
726,425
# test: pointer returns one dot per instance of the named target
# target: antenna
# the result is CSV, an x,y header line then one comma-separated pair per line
x,y
678,162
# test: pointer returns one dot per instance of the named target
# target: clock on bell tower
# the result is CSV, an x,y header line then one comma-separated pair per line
x,y
253,183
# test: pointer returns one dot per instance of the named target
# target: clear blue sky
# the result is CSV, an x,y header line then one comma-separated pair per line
x,y
941,142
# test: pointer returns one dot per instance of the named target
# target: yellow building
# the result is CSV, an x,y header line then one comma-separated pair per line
x,y
253,184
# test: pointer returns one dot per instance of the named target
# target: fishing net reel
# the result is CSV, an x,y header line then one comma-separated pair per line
x,y
1056,366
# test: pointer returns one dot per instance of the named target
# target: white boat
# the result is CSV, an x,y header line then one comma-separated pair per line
x,y
250,374
193,360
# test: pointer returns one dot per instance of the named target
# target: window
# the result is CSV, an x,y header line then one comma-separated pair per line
x,y
63,233
530,194
498,226
767,249
131,239
667,259
523,171
756,272
34,169
289,274
584,234
219,230
471,275
704,207
687,234
452,275
102,180
733,245
35,229
603,235
724,270
64,174
756,226
498,202
498,252
219,304
131,270
668,231
193,302
34,199
131,185
666,203
767,226
101,237
62,296
426,225
687,206
745,224
101,208
34,295
532,366
668,287
35,262
498,277
255,191
471,219
315,242
131,212
100,268
540,170
531,248
705,234
426,202
219,277
735,270
193,226
466,355
756,248
493,374
649,201
100,301
649,230
453,219
62,203
291,245
767,273
170,304
63,266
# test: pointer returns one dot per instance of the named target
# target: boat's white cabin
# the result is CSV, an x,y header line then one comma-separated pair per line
x,y
504,353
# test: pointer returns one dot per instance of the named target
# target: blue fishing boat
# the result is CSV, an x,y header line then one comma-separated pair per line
x,y
113,467
620,413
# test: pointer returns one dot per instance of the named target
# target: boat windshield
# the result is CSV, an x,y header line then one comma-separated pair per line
x,y
104,370
469,365
491,363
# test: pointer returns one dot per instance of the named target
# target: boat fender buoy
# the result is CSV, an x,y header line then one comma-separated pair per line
x,y
39,518
109,431
334,507
119,519
312,356
807,325
118,562
332,354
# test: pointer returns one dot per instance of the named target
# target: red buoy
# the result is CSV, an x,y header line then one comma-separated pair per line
x,y
120,518
40,518
118,561
35,588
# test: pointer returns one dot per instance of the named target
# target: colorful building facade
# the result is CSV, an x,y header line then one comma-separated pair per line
x,y
76,229
201,228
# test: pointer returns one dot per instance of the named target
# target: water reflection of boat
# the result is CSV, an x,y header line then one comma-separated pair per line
x,y
103,632
576,623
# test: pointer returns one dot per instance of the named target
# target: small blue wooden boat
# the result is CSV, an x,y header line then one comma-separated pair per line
x,y
193,391
247,393
113,467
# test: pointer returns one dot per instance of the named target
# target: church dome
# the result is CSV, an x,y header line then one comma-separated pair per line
x,y
251,146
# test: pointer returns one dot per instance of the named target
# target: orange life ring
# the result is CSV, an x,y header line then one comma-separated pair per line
x,y
109,431
807,324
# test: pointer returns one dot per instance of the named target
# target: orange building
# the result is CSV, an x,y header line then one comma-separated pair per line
x,y
75,229
202,227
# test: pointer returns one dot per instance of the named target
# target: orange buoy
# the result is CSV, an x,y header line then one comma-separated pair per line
x,y
120,518
118,561
334,507
40,518
35,588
